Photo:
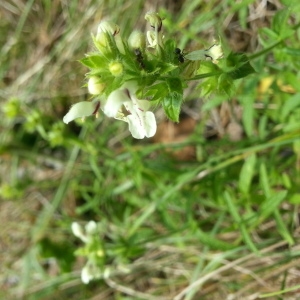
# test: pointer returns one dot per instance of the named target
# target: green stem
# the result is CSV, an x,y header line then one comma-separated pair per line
x,y
205,75
264,51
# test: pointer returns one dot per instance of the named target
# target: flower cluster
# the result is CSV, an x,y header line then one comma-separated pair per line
x,y
129,76
113,91
89,235
141,122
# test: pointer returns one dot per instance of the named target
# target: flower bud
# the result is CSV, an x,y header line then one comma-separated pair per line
x,y
106,27
95,86
136,40
116,68
155,20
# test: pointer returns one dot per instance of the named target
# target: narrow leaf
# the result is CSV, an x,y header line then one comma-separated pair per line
x,y
238,219
246,174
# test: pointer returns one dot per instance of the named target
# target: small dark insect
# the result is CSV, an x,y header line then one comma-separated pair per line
x,y
179,54
139,57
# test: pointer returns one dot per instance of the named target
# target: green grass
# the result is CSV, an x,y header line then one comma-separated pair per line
x,y
224,222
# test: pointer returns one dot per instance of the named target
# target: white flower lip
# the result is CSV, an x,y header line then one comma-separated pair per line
x,y
81,110
141,122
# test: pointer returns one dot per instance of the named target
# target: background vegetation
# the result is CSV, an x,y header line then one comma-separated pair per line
x,y
207,209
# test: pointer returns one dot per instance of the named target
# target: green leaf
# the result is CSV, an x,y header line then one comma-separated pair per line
x,y
282,229
290,105
208,67
270,205
218,81
156,91
166,67
269,34
240,222
243,14
247,173
212,242
196,55
295,199
240,65
291,51
225,85
175,85
264,180
167,51
173,100
280,23
248,113
216,101
171,104
94,61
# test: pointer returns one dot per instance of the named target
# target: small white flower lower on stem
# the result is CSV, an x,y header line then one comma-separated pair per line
x,y
89,272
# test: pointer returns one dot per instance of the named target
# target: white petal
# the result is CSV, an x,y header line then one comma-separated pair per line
x,y
80,110
114,102
132,86
215,52
150,124
143,104
89,272
91,227
141,122
135,127
78,231
86,275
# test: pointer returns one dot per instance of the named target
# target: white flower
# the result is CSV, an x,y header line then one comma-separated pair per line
x,y
154,37
81,110
91,227
89,272
215,52
78,232
141,122
84,235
